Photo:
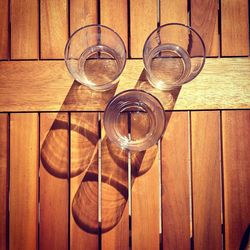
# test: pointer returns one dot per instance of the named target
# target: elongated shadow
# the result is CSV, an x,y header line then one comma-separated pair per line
x,y
114,175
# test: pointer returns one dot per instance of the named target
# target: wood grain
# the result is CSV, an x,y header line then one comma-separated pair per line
x,y
143,20
236,168
234,28
83,191
4,172
145,189
24,181
175,183
4,29
115,220
53,194
82,12
204,19
173,11
24,29
115,16
54,28
206,178
222,84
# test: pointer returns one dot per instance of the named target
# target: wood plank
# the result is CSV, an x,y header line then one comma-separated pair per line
x,y
234,28
82,12
175,183
115,16
54,28
204,19
24,29
206,178
83,189
4,172
53,190
4,29
145,190
173,11
236,164
115,219
24,181
222,84
143,20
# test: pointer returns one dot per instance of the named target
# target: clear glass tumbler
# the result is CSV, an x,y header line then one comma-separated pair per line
x,y
173,54
95,56
134,120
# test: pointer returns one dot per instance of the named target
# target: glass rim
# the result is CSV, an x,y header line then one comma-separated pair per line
x,y
177,24
98,26
133,144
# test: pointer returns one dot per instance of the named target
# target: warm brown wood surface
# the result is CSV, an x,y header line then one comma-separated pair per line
x,y
114,16
83,190
143,20
114,192
234,28
53,193
175,183
204,19
23,181
54,28
145,190
236,171
4,198
173,12
24,29
4,29
223,84
82,12
206,179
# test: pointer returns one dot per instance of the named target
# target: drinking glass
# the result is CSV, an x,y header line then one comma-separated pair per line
x,y
173,54
145,120
95,56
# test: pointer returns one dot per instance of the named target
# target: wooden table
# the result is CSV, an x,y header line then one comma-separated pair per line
x,y
63,185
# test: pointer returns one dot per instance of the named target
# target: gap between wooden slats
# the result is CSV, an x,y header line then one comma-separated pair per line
x,y
24,162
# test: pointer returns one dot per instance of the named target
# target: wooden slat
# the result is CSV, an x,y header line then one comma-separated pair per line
x,y
54,28
82,12
115,220
236,164
234,28
175,183
53,190
204,19
4,29
222,84
145,190
83,188
115,16
4,181
205,131
173,11
143,20
24,29
23,181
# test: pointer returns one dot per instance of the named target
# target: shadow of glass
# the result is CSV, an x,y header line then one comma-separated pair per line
x,y
54,150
